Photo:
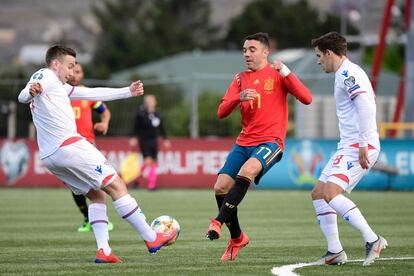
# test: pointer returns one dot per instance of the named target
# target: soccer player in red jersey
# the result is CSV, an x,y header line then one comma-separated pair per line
x,y
261,94
85,127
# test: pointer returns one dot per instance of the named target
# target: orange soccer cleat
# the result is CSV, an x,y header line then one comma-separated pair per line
x,y
234,246
102,258
163,239
214,230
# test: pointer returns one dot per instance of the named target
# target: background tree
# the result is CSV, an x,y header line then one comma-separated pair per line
x,y
139,31
209,123
13,79
291,24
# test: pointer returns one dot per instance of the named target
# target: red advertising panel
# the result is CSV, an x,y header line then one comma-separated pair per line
x,y
188,163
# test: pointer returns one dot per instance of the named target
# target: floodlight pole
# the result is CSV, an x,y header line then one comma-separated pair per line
x,y
399,108
409,69
379,50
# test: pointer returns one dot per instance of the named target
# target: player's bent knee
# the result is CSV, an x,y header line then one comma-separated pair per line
x,y
96,196
318,190
223,184
331,190
116,189
329,195
220,188
316,194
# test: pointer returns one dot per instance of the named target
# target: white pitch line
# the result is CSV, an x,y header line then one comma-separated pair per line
x,y
287,270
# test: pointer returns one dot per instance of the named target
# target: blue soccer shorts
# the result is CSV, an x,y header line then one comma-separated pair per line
x,y
267,153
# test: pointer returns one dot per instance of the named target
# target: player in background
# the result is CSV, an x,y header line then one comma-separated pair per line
x,y
85,127
148,125
357,151
261,94
74,160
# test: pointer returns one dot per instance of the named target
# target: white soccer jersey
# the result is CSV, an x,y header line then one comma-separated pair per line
x,y
355,107
52,112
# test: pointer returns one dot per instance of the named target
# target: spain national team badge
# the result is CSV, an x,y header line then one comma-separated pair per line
x,y
268,85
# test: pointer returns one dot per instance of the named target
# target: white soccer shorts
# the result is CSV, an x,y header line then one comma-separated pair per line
x,y
81,166
344,169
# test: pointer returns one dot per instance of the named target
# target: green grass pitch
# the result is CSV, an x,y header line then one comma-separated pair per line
x,y
38,235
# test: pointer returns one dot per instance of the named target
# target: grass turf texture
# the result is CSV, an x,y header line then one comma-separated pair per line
x,y
38,234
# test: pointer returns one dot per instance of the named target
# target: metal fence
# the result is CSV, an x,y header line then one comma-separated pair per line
x,y
188,106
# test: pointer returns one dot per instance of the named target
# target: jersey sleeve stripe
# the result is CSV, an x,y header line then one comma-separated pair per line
x,y
71,91
357,93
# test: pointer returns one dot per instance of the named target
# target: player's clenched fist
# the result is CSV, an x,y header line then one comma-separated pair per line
x,y
137,88
35,89
247,95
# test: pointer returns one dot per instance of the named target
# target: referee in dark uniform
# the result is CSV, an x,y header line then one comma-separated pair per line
x,y
148,126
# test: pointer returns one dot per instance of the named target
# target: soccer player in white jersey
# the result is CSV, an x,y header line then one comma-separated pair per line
x,y
74,160
357,151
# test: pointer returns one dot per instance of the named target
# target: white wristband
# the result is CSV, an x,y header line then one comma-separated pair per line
x,y
284,71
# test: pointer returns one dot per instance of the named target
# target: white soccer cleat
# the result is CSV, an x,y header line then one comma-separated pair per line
x,y
373,250
330,258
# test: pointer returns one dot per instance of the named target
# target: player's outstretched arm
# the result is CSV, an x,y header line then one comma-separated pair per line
x,y
137,88
29,92
104,93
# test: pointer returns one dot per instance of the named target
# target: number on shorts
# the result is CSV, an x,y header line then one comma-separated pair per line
x,y
269,151
338,159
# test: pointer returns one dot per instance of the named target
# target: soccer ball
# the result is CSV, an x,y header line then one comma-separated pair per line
x,y
163,224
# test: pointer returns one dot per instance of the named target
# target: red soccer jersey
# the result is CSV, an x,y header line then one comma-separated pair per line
x,y
266,118
83,116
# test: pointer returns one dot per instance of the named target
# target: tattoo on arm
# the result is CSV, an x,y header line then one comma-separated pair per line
x,y
243,95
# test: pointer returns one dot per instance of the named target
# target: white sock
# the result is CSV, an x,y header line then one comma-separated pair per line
x,y
127,207
99,222
327,221
350,212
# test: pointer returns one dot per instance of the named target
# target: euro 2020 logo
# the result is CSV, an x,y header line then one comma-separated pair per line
x,y
14,160
306,163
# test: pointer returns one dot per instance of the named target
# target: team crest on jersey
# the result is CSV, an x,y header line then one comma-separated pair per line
x,y
38,76
269,85
349,81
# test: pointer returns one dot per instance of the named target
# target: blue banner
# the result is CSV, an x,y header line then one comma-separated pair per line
x,y
304,160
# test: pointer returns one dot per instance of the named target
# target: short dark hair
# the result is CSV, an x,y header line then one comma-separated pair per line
x,y
57,51
261,37
331,41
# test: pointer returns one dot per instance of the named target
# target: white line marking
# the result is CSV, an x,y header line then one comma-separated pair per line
x,y
287,270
